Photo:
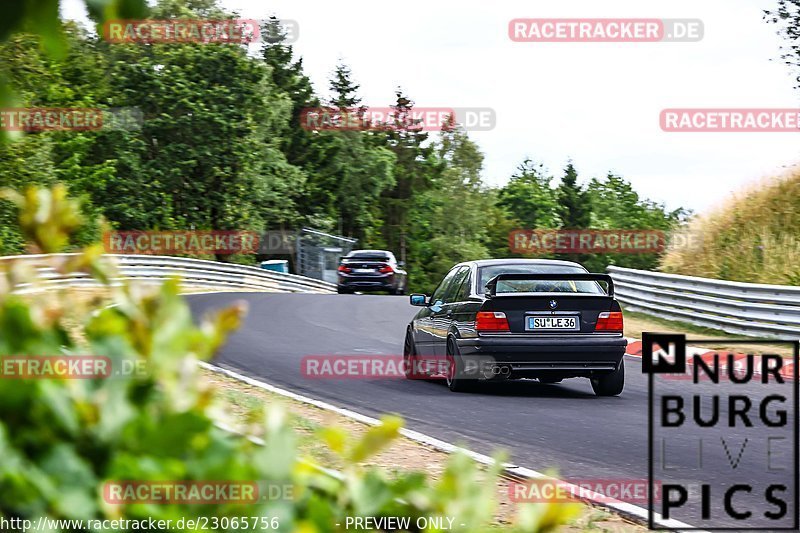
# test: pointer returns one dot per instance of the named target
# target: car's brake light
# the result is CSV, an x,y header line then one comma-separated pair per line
x,y
345,269
486,321
609,322
386,269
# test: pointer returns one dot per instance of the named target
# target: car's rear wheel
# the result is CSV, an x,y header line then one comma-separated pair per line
x,y
341,290
456,377
410,360
610,384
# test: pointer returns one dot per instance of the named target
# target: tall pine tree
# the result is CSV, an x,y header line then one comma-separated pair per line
x,y
574,206
358,167
414,170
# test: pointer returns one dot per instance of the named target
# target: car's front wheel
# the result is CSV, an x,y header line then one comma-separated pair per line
x,y
610,384
410,360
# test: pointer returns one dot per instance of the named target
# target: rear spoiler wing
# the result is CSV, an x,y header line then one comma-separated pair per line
x,y
491,285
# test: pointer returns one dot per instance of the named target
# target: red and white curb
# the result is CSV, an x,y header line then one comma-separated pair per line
x,y
787,370
639,514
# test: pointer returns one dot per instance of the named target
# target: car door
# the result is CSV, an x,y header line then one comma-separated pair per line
x,y
465,306
444,315
424,324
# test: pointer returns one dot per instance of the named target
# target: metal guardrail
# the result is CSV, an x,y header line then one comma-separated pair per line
x,y
730,306
196,273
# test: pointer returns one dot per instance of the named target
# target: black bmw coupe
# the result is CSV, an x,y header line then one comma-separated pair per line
x,y
505,319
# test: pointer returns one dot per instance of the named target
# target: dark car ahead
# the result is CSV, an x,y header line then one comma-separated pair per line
x,y
371,270
503,319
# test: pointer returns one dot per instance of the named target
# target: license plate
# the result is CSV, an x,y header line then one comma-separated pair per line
x,y
363,270
553,322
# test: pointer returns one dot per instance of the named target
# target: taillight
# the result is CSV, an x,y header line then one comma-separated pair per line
x,y
609,322
487,321
386,269
345,269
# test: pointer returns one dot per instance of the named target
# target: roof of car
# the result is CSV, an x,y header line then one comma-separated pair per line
x,y
513,261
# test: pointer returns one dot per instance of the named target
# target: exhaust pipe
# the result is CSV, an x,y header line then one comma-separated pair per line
x,y
501,370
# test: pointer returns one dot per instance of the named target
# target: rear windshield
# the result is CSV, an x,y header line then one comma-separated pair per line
x,y
488,272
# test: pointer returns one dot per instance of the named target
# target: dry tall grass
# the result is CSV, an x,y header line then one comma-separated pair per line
x,y
754,237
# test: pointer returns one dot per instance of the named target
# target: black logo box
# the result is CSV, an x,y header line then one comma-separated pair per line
x,y
679,341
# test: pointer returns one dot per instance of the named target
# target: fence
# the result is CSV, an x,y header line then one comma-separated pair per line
x,y
318,253
196,273
733,307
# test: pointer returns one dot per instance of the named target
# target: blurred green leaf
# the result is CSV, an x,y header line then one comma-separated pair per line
x,y
47,217
376,438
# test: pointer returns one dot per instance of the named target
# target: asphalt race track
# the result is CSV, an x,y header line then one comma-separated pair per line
x,y
563,428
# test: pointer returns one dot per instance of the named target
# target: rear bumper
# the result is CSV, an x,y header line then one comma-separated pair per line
x,y
366,283
578,355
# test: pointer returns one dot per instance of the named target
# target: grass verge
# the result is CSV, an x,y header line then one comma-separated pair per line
x,y
242,401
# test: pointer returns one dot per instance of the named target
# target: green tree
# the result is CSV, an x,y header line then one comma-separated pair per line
x,y
448,223
357,169
574,208
39,80
529,197
343,88
414,170
302,148
616,205
209,156
40,19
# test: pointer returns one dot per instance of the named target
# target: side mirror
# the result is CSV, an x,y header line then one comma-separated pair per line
x,y
418,300
401,263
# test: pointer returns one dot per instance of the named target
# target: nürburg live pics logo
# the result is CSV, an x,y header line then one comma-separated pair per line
x,y
723,441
